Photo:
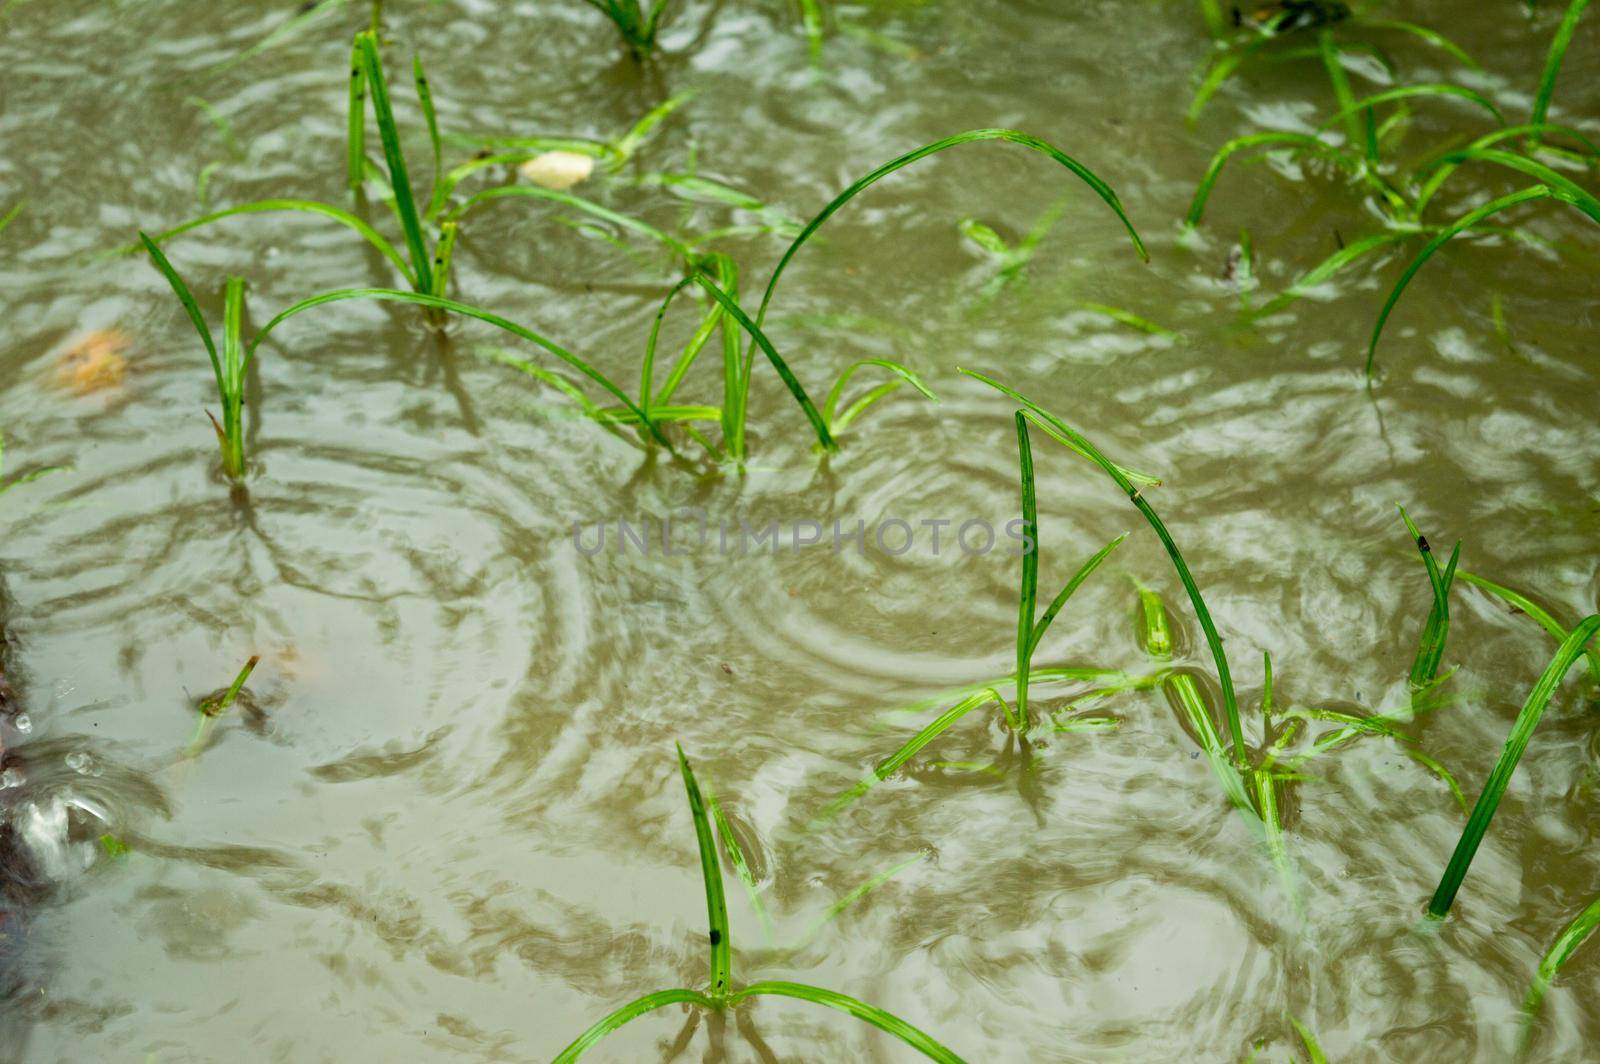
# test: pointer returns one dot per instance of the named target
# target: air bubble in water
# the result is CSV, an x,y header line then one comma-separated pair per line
x,y
11,777
24,723
78,761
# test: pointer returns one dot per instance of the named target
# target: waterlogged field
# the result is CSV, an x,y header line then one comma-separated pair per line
x,y
613,540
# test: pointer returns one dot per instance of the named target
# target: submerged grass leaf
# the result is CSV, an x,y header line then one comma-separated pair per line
x,y
721,977
1572,937
1523,604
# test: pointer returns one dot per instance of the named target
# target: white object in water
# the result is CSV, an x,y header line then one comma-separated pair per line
x,y
559,170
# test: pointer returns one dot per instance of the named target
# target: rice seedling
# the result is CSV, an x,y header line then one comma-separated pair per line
x,y
1402,198
228,367
1032,624
1571,649
1571,939
425,265
1435,630
23,478
638,21
212,708
720,993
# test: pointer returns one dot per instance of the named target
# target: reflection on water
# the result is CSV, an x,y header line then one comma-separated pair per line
x,y
449,823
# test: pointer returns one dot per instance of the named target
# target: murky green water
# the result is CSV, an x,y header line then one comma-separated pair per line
x,y
448,824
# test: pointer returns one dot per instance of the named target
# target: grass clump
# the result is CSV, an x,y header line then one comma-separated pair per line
x,y
212,708
720,993
1355,142
228,366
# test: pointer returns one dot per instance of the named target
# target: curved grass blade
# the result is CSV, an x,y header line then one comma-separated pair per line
x,y
1433,37
1494,789
1083,173
1449,232
884,1021
343,217
1327,268
1552,64
1058,430
631,1011
716,905
190,307
1186,690
1573,936
1283,139
624,146
1406,92
857,408
1309,1040
1072,439
1440,169
567,199
928,734
1568,190
1523,604
399,180
440,303
7,218
1219,72
790,381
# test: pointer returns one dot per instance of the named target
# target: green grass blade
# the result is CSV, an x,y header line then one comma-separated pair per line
x,y
7,218
1193,704
1433,37
429,115
1060,432
830,405
1431,646
856,893
343,217
1406,92
1552,63
1154,624
1523,604
1440,169
1060,601
790,381
640,131
1083,173
1565,189
1028,589
1276,139
1560,952
647,370
884,1021
1309,1040
889,765
1443,237
404,203
1325,270
1428,762
631,1011
454,307
1217,75
1494,789
721,981
1082,446
1344,95
567,199
356,129
190,307
233,365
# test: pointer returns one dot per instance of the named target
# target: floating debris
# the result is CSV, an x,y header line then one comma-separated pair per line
x,y
95,362
559,170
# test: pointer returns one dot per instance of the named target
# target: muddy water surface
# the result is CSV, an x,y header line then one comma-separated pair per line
x,y
446,821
